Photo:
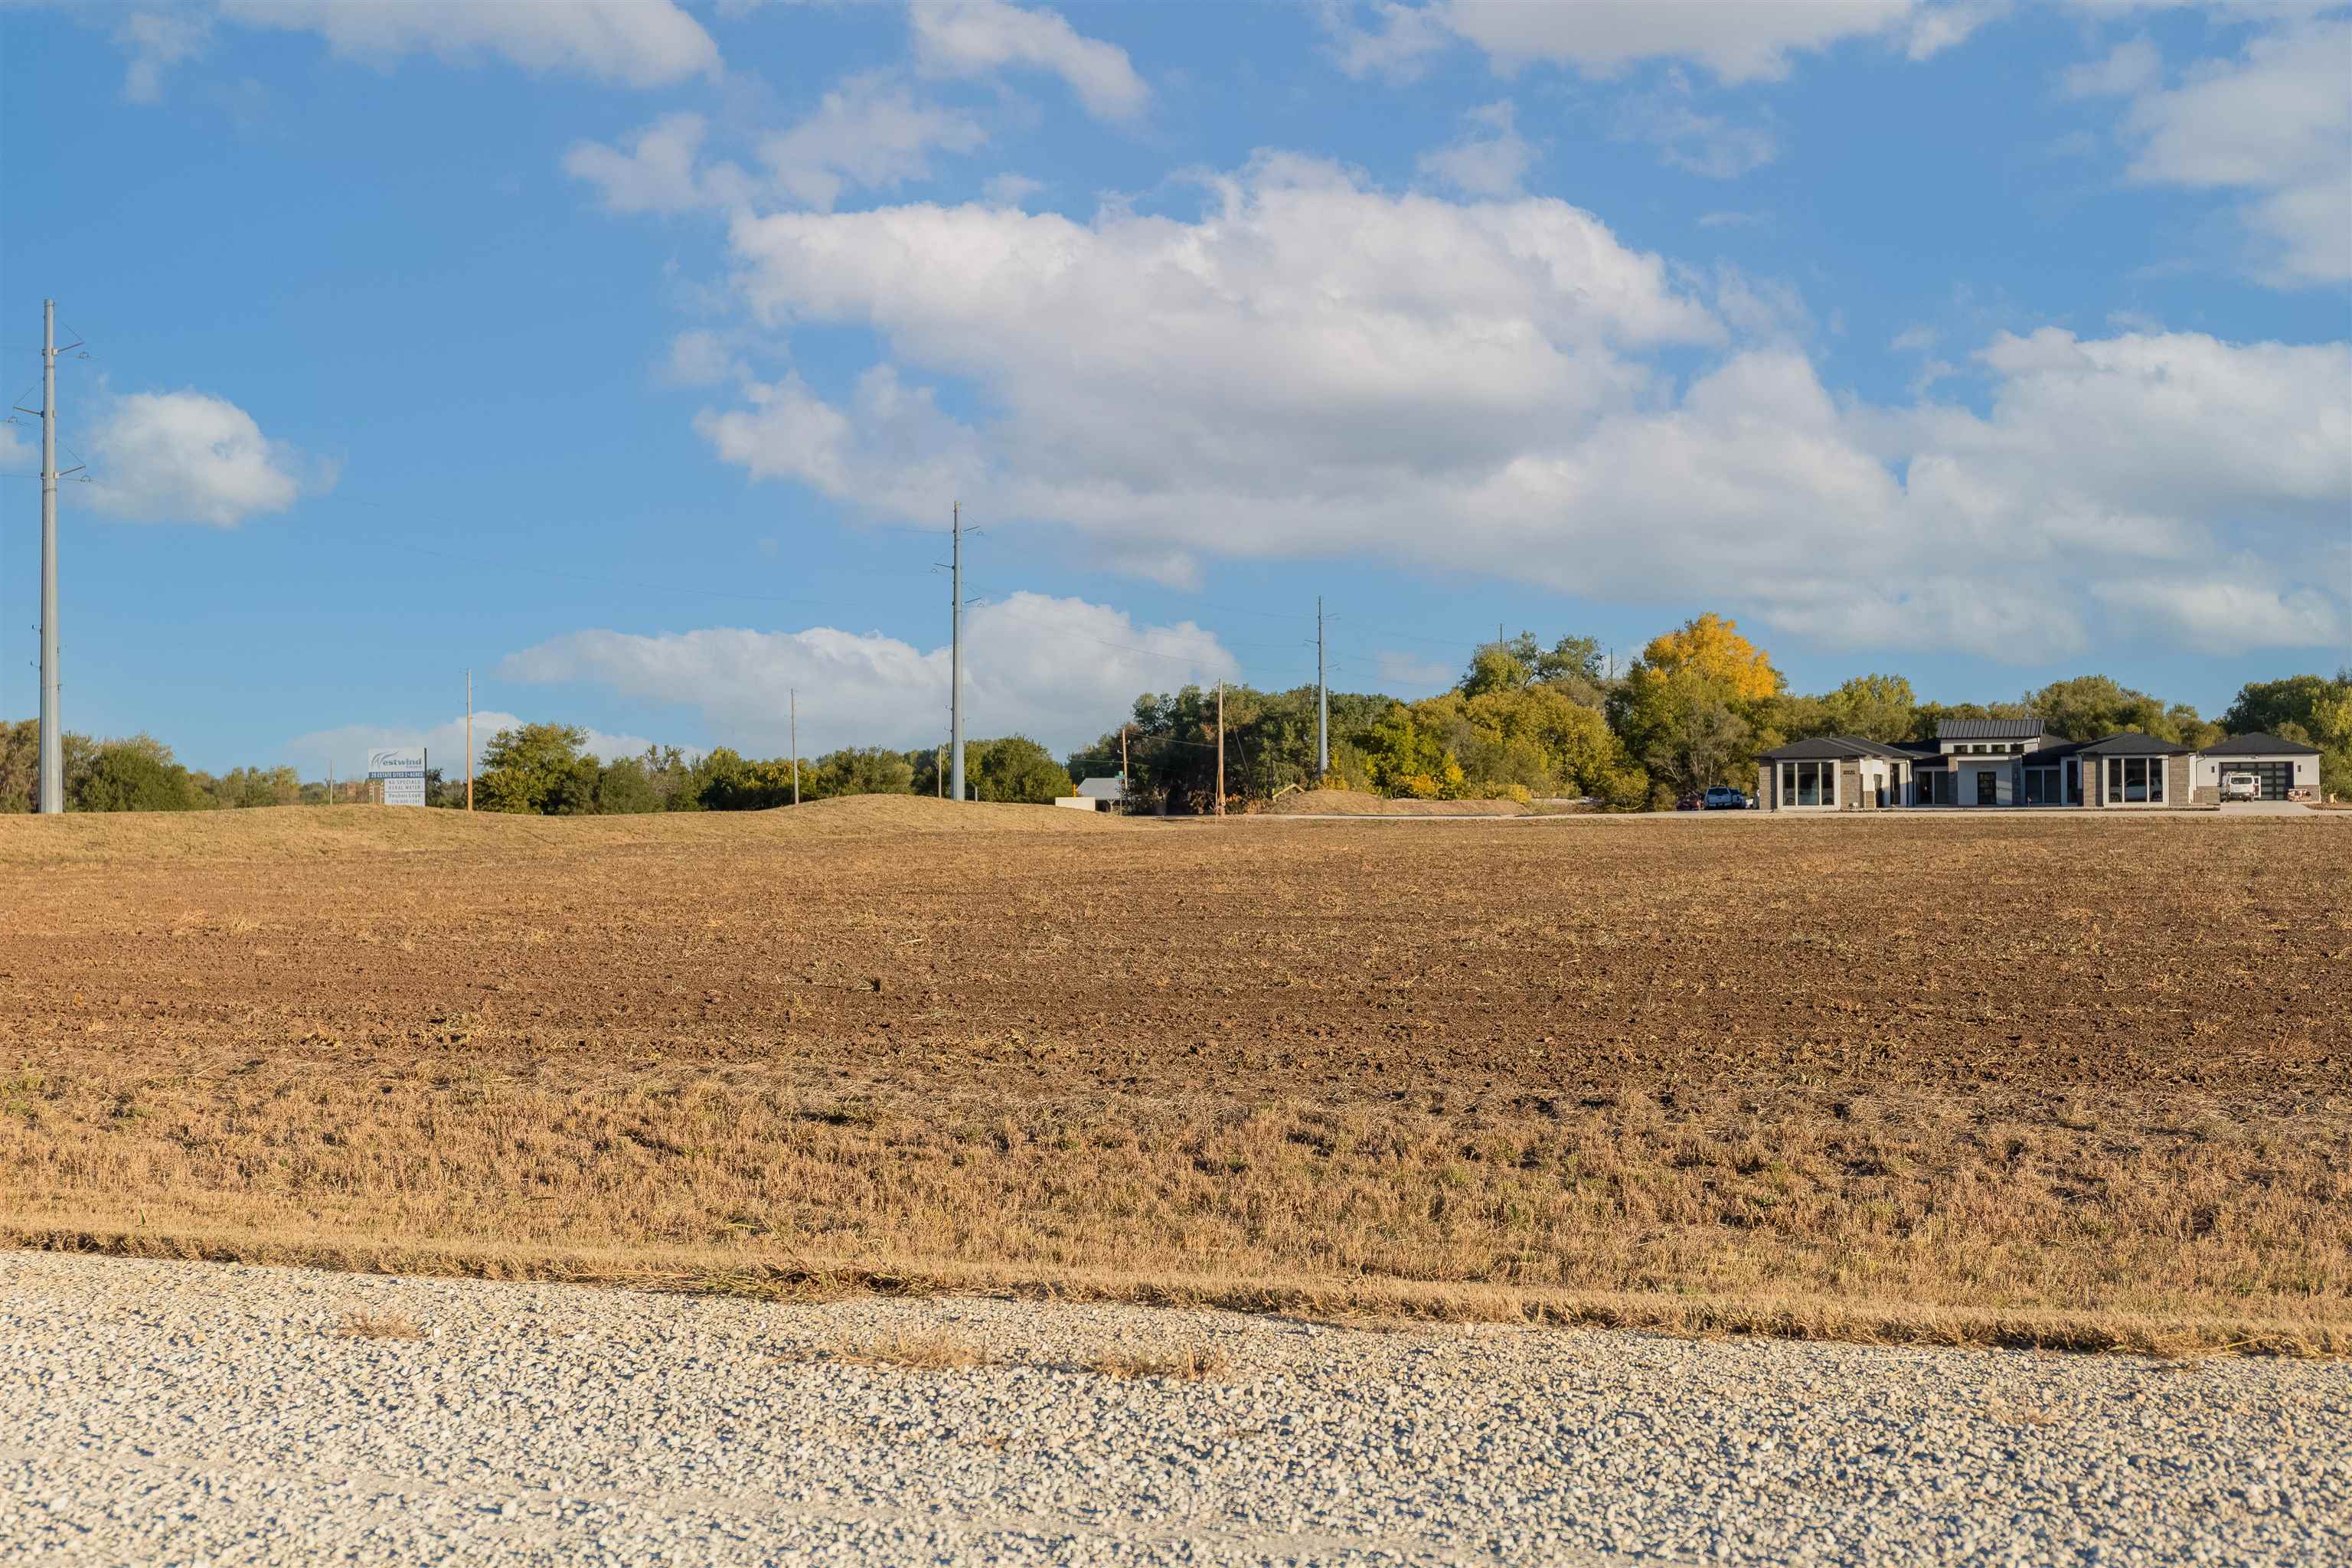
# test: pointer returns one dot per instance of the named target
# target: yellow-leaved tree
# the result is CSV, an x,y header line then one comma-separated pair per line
x,y
1710,648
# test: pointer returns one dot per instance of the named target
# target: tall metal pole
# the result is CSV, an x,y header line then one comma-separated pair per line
x,y
53,767
796,743
1220,748
1322,704
955,653
469,740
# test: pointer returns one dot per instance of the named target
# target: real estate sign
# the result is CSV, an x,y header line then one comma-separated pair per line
x,y
401,770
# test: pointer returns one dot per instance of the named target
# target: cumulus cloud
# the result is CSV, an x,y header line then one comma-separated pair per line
x,y
978,37
2274,122
1051,669
189,457
345,747
654,173
1734,41
1311,366
1490,158
634,42
869,131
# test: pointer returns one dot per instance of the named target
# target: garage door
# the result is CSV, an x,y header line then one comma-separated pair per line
x,y
2276,778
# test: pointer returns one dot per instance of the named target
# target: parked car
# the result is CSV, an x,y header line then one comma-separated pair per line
x,y
2240,786
1724,797
1688,802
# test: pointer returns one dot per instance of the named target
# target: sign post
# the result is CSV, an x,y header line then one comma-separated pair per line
x,y
401,770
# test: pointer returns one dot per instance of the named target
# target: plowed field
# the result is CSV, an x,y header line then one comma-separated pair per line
x,y
2063,1080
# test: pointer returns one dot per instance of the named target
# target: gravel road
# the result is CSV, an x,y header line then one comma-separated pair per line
x,y
156,1412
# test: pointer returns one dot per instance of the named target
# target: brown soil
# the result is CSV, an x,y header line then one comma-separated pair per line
x,y
2028,1080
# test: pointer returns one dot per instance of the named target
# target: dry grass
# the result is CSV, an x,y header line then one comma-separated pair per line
x,y
2074,1083
1192,1363
358,1325
1356,802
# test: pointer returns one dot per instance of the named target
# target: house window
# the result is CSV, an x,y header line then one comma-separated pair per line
x,y
2073,780
2128,780
2042,786
1809,784
2156,780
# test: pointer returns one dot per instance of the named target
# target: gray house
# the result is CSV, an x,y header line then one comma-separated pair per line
x,y
2284,770
1979,763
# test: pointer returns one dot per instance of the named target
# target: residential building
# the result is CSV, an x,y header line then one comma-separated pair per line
x,y
1981,763
2285,769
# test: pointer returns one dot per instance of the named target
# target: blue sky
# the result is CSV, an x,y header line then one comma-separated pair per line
x,y
632,354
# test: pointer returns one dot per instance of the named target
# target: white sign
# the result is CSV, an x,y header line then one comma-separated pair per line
x,y
401,770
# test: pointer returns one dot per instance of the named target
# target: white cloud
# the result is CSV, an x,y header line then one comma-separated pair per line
x,y
869,131
2276,123
1008,190
1395,43
1708,145
656,171
1490,158
345,747
635,43
977,37
1057,669
1736,40
157,40
189,457
2245,608
1312,367
2132,67
700,358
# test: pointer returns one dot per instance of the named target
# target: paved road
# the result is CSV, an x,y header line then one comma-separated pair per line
x,y
192,1414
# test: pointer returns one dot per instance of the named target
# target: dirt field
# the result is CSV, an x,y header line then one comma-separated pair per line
x,y
2075,1081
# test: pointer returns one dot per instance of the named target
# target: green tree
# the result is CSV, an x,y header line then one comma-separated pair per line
x,y
136,775
2090,707
1015,768
623,788
856,769
537,769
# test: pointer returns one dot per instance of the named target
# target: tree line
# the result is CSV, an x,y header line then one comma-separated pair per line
x,y
1524,720
1701,702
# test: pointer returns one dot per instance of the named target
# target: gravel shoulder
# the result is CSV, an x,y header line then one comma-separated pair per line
x,y
170,1413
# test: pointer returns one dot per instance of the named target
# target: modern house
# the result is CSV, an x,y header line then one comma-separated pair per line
x,y
1834,773
1992,762
2284,770
1970,762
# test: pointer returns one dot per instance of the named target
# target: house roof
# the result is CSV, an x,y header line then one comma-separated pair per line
x,y
1987,728
1103,786
1828,748
2258,744
2132,743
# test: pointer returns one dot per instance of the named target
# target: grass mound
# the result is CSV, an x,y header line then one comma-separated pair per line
x,y
332,832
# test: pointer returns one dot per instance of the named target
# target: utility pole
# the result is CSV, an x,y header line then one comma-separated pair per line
x,y
469,740
53,767
1322,704
1122,765
955,648
795,733
1220,748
